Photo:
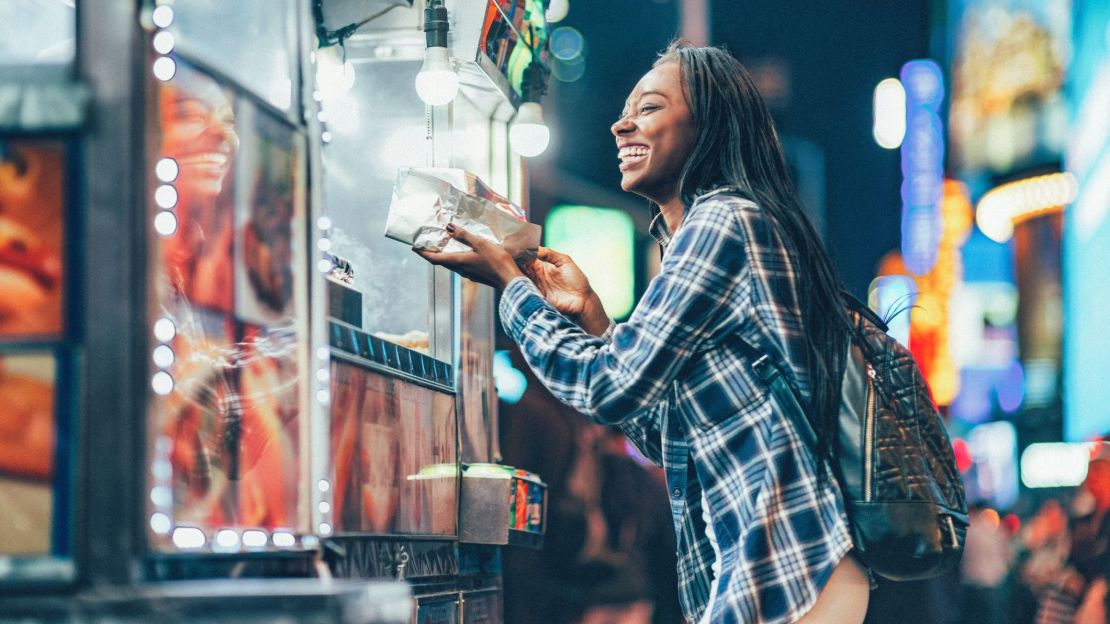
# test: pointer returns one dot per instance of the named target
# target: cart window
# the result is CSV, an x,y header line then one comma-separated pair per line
x,y
37,38
227,415
251,42
374,128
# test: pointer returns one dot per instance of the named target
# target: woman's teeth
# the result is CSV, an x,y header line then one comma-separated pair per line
x,y
632,153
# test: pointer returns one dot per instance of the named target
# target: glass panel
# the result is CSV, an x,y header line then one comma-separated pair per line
x,y
31,239
377,127
229,315
26,455
250,41
393,455
36,33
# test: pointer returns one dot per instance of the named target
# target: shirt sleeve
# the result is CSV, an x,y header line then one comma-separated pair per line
x,y
695,298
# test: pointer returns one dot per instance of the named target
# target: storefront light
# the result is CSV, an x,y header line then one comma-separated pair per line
x,y
163,356
162,16
160,523
334,75
436,83
164,329
165,223
324,507
255,539
529,134
189,538
284,539
164,68
164,42
165,196
557,11
167,170
162,383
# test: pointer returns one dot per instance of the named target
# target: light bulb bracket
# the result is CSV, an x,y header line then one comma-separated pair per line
x,y
436,24
325,37
534,85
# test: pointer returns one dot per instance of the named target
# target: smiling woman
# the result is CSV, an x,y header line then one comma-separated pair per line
x,y
761,524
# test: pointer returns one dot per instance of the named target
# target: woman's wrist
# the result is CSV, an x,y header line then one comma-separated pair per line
x,y
593,320
507,274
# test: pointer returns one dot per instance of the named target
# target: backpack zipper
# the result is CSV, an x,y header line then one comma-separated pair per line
x,y
869,434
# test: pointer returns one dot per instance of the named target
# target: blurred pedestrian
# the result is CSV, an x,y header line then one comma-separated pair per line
x,y
983,569
1088,562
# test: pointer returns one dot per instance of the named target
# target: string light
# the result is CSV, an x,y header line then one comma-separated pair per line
x,y
1002,207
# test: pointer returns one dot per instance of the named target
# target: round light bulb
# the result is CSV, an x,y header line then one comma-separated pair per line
x,y
556,11
437,83
529,135
334,75
164,68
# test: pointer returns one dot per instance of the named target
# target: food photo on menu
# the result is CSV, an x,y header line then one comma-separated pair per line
x,y
31,239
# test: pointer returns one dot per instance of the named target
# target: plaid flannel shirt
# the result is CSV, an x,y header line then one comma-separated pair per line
x,y
676,382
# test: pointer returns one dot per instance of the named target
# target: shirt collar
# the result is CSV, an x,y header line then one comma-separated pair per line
x,y
659,230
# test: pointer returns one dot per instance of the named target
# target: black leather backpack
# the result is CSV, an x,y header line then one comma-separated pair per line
x,y
895,465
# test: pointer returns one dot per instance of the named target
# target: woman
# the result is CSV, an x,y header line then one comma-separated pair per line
x,y
762,533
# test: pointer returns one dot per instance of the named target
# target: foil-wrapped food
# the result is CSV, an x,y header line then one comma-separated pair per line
x,y
425,200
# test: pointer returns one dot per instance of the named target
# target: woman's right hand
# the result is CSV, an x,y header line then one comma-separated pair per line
x,y
567,289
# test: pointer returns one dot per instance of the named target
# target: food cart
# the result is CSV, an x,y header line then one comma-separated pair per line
x,y
235,394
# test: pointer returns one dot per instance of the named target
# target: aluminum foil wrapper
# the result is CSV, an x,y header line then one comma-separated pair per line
x,y
425,200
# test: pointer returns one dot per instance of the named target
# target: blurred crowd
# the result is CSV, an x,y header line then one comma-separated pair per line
x,y
1053,570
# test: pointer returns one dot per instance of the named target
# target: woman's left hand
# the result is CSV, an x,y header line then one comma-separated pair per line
x,y
488,263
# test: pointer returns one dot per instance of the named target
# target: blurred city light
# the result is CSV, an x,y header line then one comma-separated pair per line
x,y
1013,202
889,113
602,242
922,165
510,382
1055,464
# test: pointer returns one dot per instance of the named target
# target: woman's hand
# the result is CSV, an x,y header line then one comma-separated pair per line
x,y
568,290
488,263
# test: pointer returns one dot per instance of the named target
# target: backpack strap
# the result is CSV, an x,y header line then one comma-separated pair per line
x,y
781,391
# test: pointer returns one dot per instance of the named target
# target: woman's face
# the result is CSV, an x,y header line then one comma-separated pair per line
x,y
655,135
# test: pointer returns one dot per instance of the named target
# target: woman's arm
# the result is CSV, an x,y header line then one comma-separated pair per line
x,y
695,298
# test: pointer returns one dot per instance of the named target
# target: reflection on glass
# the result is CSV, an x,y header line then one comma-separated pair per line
x,y
26,454
227,436
250,41
476,373
31,175
393,455
36,33
378,128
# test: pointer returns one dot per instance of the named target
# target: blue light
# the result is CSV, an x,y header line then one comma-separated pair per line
x,y
510,382
922,165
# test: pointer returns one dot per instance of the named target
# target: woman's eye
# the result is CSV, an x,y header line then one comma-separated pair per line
x,y
648,108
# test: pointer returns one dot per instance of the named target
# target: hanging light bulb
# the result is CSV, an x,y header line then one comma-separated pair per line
x,y
437,83
556,11
335,75
528,134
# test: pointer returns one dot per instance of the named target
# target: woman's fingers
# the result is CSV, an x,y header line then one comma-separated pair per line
x,y
477,243
550,255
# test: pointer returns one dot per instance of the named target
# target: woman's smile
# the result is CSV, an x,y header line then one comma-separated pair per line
x,y
632,155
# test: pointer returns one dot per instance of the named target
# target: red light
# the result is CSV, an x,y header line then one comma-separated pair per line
x,y
963,454
1012,523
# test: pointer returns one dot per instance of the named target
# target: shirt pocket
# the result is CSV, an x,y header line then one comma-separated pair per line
x,y
716,388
